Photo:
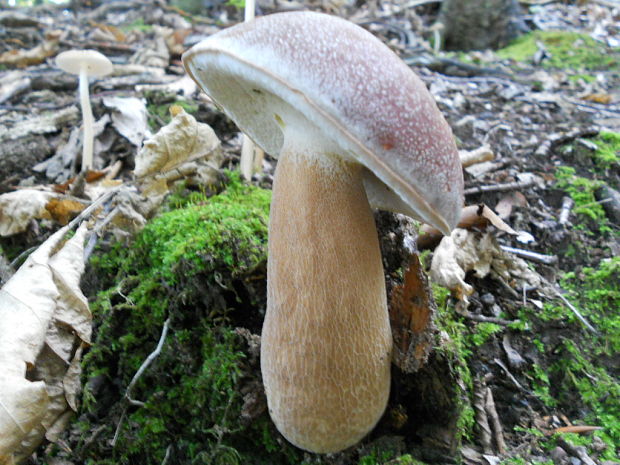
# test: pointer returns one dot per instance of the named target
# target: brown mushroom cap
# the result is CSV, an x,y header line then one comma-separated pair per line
x,y
357,92
95,63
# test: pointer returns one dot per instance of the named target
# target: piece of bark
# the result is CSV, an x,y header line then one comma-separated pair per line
x,y
412,309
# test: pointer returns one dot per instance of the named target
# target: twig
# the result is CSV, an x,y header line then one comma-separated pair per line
x,y
557,139
575,451
93,206
472,157
510,186
489,407
567,205
500,364
533,256
570,306
152,356
484,319
574,310
167,456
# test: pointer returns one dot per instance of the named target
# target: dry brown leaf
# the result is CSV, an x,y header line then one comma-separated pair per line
x,y
64,210
508,202
602,98
472,216
577,429
113,31
182,140
34,56
44,322
19,207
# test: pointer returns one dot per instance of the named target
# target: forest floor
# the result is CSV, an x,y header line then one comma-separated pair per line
x,y
524,369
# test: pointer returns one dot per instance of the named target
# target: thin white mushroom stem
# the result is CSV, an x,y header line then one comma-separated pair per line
x,y
87,117
246,162
326,341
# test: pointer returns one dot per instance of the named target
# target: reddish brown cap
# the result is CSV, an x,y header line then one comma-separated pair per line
x,y
338,77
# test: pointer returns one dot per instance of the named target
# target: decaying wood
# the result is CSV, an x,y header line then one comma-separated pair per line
x,y
412,309
562,138
509,186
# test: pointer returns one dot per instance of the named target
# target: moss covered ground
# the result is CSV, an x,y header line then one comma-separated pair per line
x,y
195,264
564,50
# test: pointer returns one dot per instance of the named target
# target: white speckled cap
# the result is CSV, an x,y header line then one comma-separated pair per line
x,y
355,90
72,61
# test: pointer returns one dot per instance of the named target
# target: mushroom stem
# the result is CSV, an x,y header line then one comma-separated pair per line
x,y
87,117
248,149
326,341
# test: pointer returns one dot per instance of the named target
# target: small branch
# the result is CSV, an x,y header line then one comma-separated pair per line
x,y
152,356
558,139
489,407
484,319
510,186
167,456
574,310
567,206
511,377
570,306
533,256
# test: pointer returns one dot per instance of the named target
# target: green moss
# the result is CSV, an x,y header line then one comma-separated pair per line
x,y
158,108
608,153
582,191
137,25
587,78
195,266
567,50
582,379
482,332
540,385
456,350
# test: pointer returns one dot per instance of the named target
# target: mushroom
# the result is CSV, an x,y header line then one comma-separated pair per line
x,y
352,127
85,63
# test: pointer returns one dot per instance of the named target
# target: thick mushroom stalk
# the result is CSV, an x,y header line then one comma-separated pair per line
x,y
326,341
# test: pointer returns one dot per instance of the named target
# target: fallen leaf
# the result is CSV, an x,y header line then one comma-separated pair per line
x,y
19,207
64,210
34,56
508,202
44,322
472,216
577,429
183,140
129,117
602,98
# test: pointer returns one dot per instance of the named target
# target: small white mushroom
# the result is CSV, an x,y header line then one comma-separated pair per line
x,y
85,63
353,127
